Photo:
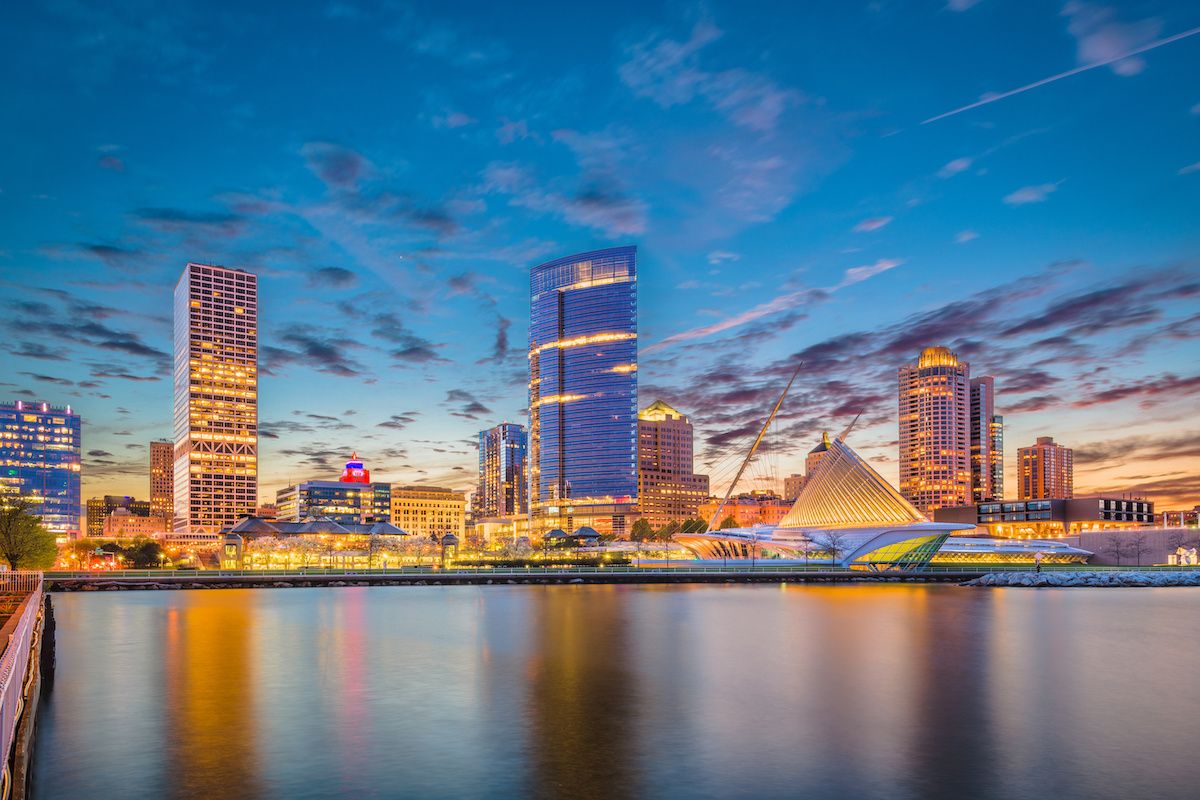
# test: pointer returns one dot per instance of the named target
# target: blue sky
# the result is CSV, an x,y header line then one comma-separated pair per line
x,y
392,170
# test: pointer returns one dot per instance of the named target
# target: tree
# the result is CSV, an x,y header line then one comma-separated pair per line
x,y
142,553
1176,539
24,541
832,543
374,545
693,525
641,531
1114,545
1138,546
728,522
665,533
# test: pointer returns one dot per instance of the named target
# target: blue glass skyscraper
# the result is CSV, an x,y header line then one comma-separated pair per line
x,y
583,391
40,461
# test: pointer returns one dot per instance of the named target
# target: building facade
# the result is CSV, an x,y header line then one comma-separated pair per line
x,y
987,442
583,392
668,488
99,509
1052,518
216,399
346,503
40,461
935,437
1046,470
162,480
123,524
814,456
753,508
503,456
429,511
792,485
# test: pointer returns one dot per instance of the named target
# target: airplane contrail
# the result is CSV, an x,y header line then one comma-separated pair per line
x,y
1136,51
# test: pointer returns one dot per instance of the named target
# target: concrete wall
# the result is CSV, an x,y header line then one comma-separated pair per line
x,y
1157,544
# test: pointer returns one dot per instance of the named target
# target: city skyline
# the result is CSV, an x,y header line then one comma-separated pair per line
x,y
784,208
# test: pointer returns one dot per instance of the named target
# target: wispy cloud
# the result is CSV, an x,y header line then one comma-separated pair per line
x,y
962,237
1030,194
871,224
990,98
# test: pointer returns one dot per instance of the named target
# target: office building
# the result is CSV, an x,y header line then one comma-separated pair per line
x,y
792,485
987,442
935,436
502,472
40,461
216,400
1052,518
352,500
583,392
1045,470
100,508
429,511
162,480
668,488
814,456
122,523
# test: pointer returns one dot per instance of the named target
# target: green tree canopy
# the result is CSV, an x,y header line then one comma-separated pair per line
x,y
728,522
24,541
641,531
694,525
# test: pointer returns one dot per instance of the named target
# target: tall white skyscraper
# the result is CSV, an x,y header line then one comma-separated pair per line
x,y
216,399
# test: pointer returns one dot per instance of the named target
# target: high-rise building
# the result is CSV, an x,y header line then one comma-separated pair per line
x,y
99,509
429,511
668,488
352,500
216,399
814,456
1046,471
40,461
162,480
583,392
502,472
987,442
935,431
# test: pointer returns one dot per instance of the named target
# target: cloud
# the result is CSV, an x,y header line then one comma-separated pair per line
x,y
453,119
859,274
399,421
1030,194
961,5
1100,38
408,347
668,71
99,454
1190,168
196,223
719,256
111,162
511,130
1127,56
332,278
335,165
47,379
871,224
469,406
1152,391
312,349
962,237
952,168
599,204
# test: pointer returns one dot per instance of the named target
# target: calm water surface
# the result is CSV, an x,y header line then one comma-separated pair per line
x,y
639,691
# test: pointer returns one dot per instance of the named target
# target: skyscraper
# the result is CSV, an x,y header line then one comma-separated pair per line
x,y
162,480
502,472
1046,471
668,488
40,462
987,442
583,391
935,436
216,399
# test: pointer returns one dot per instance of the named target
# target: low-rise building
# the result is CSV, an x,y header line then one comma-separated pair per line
x,y
429,510
754,508
124,524
351,500
100,508
1051,518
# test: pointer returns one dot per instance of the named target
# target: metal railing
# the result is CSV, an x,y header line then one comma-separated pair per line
x,y
678,568
24,589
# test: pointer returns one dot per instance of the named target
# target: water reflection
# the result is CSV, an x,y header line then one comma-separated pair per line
x,y
577,691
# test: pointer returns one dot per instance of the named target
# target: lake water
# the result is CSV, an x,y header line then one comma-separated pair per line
x,y
624,691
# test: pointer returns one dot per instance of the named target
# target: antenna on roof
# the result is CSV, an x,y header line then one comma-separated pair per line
x,y
842,436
